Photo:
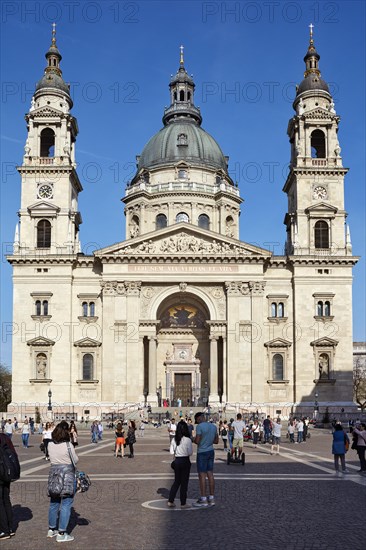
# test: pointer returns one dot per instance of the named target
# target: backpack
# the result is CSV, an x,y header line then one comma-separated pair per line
x,y
9,463
224,432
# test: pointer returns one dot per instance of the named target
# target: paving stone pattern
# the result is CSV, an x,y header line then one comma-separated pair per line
x,y
293,501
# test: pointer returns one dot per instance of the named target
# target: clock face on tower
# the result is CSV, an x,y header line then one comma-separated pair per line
x,y
45,192
320,192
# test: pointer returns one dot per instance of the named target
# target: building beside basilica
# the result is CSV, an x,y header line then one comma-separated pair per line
x,y
182,308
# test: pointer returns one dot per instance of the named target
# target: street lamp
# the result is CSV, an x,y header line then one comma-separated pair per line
x,y
49,400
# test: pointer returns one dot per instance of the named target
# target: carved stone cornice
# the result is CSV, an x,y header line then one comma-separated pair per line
x,y
133,288
237,288
121,288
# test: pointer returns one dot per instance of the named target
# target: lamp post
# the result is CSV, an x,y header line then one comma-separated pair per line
x,y
49,400
316,405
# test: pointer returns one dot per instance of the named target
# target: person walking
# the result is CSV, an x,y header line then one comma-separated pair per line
x,y
94,432
255,433
25,433
73,434
131,437
142,427
360,431
172,429
339,447
181,448
224,434
276,436
300,430
100,431
9,428
47,438
267,427
120,441
291,431
6,511
61,482
206,437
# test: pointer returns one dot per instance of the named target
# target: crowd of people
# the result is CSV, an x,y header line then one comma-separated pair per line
x,y
59,443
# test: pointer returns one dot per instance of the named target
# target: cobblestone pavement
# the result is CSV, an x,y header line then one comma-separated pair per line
x,y
293,501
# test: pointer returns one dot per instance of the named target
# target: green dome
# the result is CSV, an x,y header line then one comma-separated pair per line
x,y
182,141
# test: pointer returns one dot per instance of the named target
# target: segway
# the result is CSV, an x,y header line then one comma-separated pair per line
x,y
234,459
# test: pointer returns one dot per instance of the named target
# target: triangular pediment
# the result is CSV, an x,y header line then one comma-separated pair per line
x,y
40,341
87,343
319,114
324,342
43,205
183,239
321,207
278,343
46,112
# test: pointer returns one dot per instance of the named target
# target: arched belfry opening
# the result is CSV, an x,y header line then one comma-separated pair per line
x,y
183,350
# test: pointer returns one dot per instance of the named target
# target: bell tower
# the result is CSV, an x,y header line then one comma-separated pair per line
x,y
48,217
315,220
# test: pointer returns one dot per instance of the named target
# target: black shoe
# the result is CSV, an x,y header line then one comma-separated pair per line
x,y
4,535
12,534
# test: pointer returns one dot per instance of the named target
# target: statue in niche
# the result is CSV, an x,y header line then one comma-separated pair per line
x,y
41,365
324,366
169,355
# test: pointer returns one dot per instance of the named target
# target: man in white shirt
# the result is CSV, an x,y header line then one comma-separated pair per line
x,y
239,428
300,431
9,428
172,429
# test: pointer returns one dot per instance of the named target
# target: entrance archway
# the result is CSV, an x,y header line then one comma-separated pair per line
x,y
183,351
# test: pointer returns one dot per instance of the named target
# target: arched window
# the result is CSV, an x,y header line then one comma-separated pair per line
x,y
45,307
189,96
181,95
175,96
182,217
88,363
161,221
43,234
277,367
321,234
280,310
47,143
92,309
204,221
85,309
317,144
327,309
38,307
319,309
273,309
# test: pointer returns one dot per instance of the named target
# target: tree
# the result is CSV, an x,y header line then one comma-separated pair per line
x,y
359,383
5,387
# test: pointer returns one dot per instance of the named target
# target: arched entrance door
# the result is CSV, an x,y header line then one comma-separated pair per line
x,y
183,349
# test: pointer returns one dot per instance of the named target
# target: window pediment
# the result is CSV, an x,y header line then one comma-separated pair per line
x,y
40,341
278,343
41,209
324,342
321,209
87,343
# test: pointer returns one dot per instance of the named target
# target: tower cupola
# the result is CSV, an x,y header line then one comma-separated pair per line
x,y
312,76
52,77
182,97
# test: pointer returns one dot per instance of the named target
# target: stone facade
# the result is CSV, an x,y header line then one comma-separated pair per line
x,y
182,308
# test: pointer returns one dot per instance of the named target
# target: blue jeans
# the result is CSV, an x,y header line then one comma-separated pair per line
x,y
25,438
59,506
205,461
299,437
94,437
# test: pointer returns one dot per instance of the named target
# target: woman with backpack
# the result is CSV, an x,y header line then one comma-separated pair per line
x,y
6,512
61,482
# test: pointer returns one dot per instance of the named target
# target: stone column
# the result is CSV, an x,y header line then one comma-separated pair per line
x,y
214,396
258,370
152,397
141,368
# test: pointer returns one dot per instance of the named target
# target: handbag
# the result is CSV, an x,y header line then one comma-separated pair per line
x,y
82,480
42,447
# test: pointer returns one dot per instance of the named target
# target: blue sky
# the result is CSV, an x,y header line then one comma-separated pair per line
x,y
246,58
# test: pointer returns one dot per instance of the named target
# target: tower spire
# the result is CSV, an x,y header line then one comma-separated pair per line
x,y
312,57
181,61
